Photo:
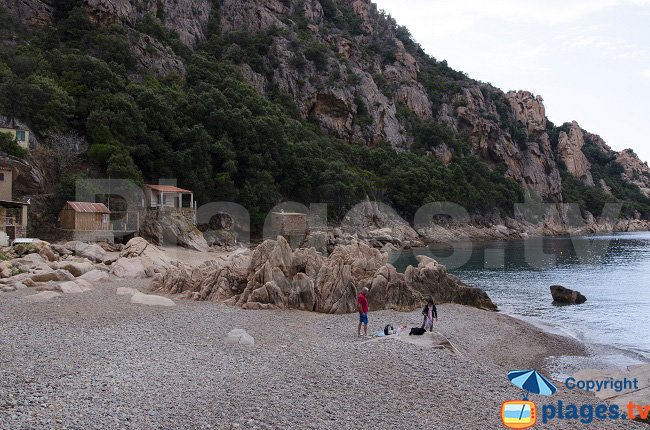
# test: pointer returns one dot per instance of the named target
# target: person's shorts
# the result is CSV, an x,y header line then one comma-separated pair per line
x,y
363,318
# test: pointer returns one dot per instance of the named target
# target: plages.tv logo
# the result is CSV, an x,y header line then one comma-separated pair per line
x,y
522,414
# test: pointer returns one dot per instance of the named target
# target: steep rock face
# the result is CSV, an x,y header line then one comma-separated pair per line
x,y
156,57
189,20
347,93
570,152
531,164
528,110
635,170
35,13
253,15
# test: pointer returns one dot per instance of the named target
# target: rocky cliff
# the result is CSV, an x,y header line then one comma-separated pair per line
x,y
351,69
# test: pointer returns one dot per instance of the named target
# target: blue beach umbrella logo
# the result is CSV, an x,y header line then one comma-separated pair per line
x,y
522,414
531,381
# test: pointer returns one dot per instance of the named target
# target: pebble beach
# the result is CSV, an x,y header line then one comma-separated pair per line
x,y
97,361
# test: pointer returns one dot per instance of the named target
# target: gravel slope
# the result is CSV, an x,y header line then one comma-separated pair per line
x,y
96,361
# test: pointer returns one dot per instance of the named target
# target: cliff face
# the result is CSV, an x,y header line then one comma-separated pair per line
x,y
635,171
350,68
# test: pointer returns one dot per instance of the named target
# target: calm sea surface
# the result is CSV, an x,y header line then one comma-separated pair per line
x,y
612,271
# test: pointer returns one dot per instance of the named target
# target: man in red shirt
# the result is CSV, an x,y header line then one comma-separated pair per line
x,y
362,307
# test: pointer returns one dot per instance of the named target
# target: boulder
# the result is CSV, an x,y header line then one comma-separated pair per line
x,y
151,300
32,262
565,295
132,268
61,250
77,269
94,252
150,254
6,269
53,276
172,227
45,250
126,291
389,290
431,279
29,283
43,296
239,337
95,276
74,287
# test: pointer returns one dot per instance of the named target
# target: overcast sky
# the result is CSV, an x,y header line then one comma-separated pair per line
x,y
589,60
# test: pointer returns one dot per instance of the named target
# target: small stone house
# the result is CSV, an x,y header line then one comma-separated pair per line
x,y
21,136
13,215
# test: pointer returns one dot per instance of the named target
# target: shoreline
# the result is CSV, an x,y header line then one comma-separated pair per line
x,y
120,364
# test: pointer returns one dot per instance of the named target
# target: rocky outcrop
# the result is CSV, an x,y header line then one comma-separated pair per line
x,y
635,170
172,227
379,224
156,57
431,279
189,20
570,153
529,110
565,295
531,162
35,13
274,276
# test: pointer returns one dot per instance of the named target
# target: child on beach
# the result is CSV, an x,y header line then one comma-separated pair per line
x,y
430,312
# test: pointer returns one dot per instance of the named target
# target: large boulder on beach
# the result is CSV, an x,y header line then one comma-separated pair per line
x,y
172,227
151,300
74,287
92,252
389,290
43,296
565,295
53,276
431,279
140,248
95,276
76,268
132,268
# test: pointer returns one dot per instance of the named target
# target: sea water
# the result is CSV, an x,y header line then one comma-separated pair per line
x,y
612,271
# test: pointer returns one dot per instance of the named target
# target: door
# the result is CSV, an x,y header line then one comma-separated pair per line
x,y
11,232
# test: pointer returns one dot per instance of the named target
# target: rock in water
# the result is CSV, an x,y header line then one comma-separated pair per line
x,y
565,295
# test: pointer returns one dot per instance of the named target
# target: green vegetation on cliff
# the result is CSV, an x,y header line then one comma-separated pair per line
x,y
212,130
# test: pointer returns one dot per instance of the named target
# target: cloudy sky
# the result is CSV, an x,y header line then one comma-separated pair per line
x,y
589,60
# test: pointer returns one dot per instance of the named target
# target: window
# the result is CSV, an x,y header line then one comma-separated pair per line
x,y
2,176
105,218
20,135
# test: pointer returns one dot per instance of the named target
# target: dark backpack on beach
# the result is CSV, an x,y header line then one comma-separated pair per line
x,y
417,331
